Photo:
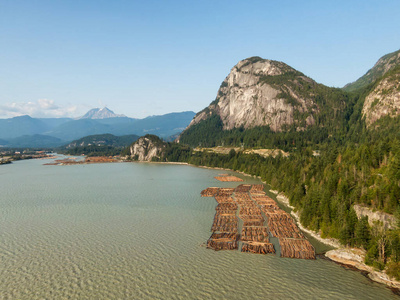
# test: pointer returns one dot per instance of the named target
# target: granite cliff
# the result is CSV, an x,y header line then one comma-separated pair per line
x,y
259,92
147,148
266,93
384,98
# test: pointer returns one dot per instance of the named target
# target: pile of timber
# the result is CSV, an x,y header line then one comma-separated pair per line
x,y
258,248
228,178
252,202
226,208
99,159
253,222
254,234
265,202
224,199
243,188
296,248
222,244
224,223
225,226
223,241
226,191
281,225
257,189
210,192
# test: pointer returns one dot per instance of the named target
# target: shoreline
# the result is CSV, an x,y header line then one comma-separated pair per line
x,y
345,256
349,257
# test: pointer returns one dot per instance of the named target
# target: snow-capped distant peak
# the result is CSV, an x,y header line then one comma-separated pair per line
x,y
101,113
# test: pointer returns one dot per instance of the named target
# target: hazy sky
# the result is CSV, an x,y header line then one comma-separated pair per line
x,y
140,58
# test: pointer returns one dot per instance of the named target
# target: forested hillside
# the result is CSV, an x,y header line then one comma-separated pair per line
x,y
356,164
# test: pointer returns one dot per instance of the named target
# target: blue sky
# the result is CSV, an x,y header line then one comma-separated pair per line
x,y
140,58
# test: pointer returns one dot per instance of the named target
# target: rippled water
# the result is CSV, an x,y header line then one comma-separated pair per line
x,y
137,231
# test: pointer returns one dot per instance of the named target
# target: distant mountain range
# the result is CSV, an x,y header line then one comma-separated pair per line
x,y
25,131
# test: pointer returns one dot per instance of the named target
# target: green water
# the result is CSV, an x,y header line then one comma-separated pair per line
x,y
137,231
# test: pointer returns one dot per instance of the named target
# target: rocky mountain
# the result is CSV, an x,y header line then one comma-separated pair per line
x,y
101,113
147,148
382,66
384,98
259,92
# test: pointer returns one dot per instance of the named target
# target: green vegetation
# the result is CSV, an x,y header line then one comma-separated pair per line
x,y
94,150
104,140
355,165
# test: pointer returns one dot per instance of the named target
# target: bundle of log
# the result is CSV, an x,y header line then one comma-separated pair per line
x,y
224,223
296,248
252,203
255,234
281,225
225,191
228,178
243,188
210,192
222,244
253,222
227,208
265,202
223,241
258,248
224,199
257,189
99,159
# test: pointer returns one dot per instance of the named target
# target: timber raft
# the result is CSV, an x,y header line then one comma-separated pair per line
x,y
261,218
228,178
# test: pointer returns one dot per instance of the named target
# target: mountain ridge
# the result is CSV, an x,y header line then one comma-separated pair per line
x,y
66,129
381,67
101,113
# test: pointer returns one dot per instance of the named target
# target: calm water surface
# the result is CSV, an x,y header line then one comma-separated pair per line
x,y
137,231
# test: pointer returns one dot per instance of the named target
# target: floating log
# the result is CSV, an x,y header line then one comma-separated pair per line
x,y
210,192
257,188
225,223
226,191
252,203
255,234
222,244
228,178
296,248
281,225
258,248
253,222
243,188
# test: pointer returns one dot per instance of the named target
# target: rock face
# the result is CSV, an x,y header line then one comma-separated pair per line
x,y
355,257
384,99
259,92
147,148
389,221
